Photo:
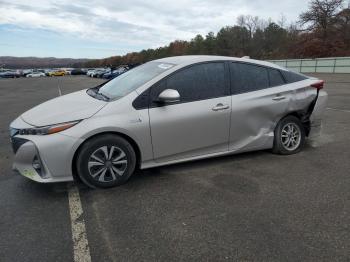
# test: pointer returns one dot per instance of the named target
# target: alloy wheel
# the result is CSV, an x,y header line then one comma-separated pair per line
x,y
291,136
107,163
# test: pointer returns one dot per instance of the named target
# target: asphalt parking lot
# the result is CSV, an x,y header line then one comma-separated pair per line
x,y
249,207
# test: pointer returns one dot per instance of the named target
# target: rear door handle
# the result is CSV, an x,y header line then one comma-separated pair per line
x,y
220,107
278,98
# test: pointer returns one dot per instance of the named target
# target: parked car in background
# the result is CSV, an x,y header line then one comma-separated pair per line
x,y
47,71
90,72
110,75
36,74
57,73
10,74
96,72
115,73
25,72
164,112
68,71
100,72
77,72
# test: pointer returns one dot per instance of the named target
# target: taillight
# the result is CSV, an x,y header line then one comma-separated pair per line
x,y
319,85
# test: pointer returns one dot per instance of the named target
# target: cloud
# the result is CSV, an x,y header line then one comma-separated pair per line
x,y
137,23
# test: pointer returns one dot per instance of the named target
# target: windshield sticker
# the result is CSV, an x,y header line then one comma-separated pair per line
x,y
165,66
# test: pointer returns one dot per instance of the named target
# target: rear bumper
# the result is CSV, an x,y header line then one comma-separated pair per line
x,y
315,129
317,113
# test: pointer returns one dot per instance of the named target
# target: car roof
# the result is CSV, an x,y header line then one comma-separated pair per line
x,y
191,59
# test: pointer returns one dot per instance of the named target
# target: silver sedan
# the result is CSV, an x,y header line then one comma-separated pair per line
x,y
164,112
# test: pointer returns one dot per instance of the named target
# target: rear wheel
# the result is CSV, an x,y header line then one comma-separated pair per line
x,y
289,136
106,161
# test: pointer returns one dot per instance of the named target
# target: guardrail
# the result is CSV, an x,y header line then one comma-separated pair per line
x,y
317,65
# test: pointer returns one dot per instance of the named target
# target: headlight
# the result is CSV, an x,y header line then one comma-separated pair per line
x,y
47,130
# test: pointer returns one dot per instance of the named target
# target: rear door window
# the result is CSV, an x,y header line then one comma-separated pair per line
x,y
248,78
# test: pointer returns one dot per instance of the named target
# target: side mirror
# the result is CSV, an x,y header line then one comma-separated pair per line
x,y
169,96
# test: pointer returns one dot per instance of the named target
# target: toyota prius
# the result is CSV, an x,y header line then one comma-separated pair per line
x,y
164,112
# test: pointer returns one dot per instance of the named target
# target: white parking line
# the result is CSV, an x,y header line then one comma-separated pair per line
x,y
341,110
80,242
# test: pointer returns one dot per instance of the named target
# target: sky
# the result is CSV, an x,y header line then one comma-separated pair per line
x,y
103,28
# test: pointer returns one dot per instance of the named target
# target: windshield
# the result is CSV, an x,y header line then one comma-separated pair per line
x,y
133,79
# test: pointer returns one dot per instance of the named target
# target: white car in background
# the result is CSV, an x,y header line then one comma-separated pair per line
x,y
68,71
90,72
36,74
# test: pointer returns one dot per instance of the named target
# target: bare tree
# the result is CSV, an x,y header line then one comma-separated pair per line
x,y
241,20
321,15
250,22
282,21
343,26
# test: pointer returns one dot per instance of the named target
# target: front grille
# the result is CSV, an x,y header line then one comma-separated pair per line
x,y
17,142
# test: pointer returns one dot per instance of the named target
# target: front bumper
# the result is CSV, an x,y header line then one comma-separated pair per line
x,y
46,158
25,155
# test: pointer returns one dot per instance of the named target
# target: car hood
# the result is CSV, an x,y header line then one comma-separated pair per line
x,y
75,106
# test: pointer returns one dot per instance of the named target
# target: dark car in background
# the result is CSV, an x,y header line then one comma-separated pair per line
x,y
10,74
78,71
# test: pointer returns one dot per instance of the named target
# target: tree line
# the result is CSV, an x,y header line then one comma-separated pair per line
x,y
322,31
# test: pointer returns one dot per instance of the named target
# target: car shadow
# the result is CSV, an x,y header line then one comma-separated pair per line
x,y
152,175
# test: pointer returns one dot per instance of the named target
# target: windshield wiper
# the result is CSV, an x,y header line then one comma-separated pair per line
x,y
94,92
106,98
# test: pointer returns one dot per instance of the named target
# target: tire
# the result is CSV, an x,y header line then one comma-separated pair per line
x,y
289,136
94,163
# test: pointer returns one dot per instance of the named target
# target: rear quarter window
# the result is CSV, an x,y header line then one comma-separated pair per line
x,y
275,77
292,77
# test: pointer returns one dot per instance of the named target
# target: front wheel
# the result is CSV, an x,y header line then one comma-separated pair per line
x,y
289,137
106,161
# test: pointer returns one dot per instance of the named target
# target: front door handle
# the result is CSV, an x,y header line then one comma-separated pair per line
x,y
220,107
278,98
